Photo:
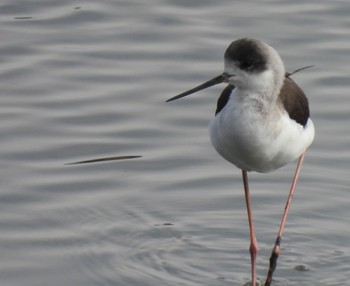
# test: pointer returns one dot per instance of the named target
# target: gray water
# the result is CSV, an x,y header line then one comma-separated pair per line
x,y
88,79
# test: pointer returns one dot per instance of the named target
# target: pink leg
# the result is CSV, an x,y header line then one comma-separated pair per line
x,y
253,249
276,249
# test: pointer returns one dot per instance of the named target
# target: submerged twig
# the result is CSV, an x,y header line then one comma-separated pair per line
x,y
115,158
298,70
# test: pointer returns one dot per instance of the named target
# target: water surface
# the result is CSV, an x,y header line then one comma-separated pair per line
x,y
82,80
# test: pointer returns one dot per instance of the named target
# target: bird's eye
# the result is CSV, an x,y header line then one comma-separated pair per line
x,y
247,65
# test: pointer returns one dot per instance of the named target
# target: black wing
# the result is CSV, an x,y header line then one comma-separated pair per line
x,y
224,97
294,101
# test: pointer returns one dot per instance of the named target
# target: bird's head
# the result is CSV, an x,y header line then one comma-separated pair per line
x,y
249,64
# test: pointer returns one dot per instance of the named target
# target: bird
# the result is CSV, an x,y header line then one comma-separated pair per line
x,y
262,122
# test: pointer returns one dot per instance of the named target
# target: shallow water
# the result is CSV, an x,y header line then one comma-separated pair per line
x,y
83,80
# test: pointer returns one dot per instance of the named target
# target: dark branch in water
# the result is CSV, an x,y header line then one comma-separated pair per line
x,y
115,158
298,70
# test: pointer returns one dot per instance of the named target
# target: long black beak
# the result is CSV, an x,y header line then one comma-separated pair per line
x,y
216,80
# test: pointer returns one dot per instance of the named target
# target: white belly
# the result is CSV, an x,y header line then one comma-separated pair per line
x,y
253,142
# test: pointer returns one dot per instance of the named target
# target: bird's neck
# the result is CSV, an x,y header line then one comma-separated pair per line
x,y
260,97
261,92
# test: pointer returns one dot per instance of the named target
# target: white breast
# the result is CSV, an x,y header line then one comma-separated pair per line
x,y
256,141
